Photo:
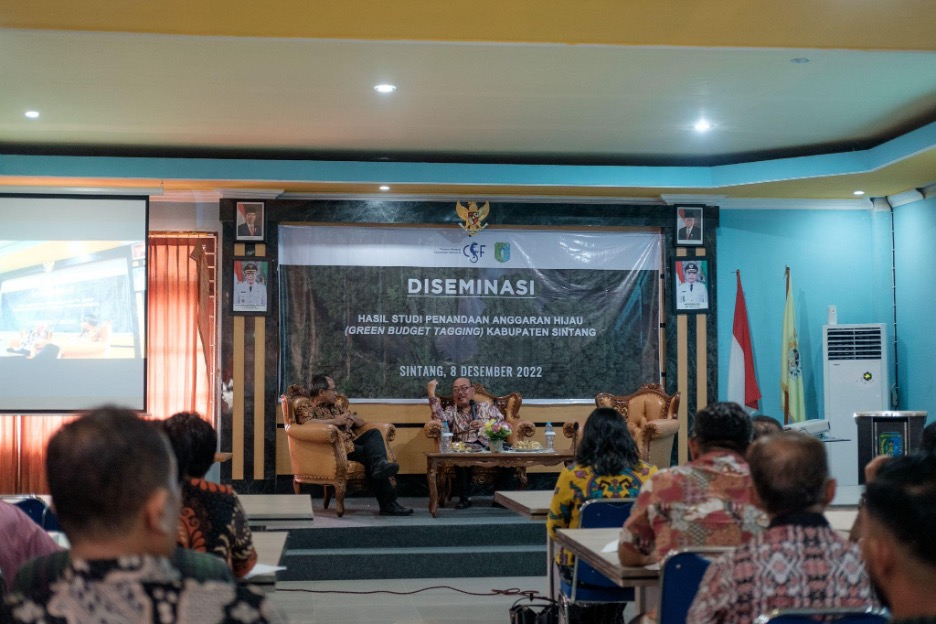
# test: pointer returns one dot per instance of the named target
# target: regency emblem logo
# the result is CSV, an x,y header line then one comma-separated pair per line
x,y
502,252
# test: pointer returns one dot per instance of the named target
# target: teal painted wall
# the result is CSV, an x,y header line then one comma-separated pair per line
x,y
915,233
836,257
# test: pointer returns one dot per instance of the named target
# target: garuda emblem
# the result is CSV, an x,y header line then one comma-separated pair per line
x,y
472,216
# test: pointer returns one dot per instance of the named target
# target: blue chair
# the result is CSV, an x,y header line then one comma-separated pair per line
x,y
680,574
839,615
589,585
38,510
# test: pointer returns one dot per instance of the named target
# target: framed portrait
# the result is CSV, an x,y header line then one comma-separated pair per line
x,y
250,288
688,225
690,285
251,222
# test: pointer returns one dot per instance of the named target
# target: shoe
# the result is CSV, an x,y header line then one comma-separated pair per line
x,y
395,509
464,503
385,469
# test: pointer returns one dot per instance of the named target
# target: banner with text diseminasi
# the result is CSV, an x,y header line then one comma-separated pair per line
x,y
552,315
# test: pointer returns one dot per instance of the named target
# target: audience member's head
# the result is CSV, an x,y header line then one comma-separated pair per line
x,y
898,540
790,473
928,441
721,426
194,442
607,446
765,425
112,477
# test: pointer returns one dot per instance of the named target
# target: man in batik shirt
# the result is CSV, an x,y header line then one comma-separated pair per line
x,y
707,502
113,480
465,418
799,561
367,448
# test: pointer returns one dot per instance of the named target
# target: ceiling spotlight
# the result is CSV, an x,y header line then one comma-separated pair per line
x,y
32,114
384,187
702,126
385,88
858,193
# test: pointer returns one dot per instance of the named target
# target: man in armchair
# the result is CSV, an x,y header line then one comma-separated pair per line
x,y
367,448
465,419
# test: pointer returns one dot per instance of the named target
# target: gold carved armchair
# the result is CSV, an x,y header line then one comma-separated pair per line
x,y
651,419
317,455
509,406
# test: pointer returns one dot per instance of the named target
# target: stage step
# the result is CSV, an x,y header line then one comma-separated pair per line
x,y
434,550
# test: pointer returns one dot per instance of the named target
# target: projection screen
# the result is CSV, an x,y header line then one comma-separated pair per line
x,y
72,303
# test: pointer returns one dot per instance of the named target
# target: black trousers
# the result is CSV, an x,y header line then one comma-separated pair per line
x,y
464,474
369,449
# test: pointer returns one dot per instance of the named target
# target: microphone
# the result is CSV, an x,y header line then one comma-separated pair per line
x,y
474,408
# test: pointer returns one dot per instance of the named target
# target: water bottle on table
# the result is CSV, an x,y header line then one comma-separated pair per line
x,y
446,444
550,437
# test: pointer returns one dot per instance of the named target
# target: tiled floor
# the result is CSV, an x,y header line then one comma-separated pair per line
x,y
322,602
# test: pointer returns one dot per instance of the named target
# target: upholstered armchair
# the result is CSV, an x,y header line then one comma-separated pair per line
x,y
651,419
509,406
317,455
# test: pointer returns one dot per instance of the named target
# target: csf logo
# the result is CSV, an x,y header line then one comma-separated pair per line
x,y
473,251
502,252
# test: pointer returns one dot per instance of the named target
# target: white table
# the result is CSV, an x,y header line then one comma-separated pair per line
x,y
277,506
532,504
587,544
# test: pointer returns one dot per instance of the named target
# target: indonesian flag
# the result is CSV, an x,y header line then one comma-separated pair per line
x,y
742,383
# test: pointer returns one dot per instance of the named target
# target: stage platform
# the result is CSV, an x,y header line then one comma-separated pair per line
x,y
483,541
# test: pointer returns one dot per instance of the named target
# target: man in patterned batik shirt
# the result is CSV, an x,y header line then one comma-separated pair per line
x,y
114,487
707,502
799,561
465,419
367,448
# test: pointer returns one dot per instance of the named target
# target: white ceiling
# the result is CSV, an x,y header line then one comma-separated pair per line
x,y
873,113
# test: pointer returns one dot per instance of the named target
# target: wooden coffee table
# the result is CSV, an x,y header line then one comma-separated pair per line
x,y
509,459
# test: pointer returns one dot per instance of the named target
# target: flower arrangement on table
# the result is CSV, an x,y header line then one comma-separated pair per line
x,y
496,431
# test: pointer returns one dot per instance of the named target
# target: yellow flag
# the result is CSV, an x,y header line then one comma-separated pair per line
x,y
791,370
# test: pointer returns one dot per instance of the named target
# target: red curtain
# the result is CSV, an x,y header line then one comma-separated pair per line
x,y
177,375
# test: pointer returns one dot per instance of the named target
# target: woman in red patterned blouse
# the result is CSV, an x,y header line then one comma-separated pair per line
x,y
213,519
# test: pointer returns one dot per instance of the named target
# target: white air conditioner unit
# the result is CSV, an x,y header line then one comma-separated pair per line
x,y
855,376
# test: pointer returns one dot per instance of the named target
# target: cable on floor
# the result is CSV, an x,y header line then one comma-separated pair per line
x,y
513,591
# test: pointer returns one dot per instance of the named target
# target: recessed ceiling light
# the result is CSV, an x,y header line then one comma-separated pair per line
x,y
385,88
702,126
384,187
799,60
32,114
858,193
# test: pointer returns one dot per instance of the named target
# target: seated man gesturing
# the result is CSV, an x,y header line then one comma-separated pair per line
x,y
367,448
465,419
